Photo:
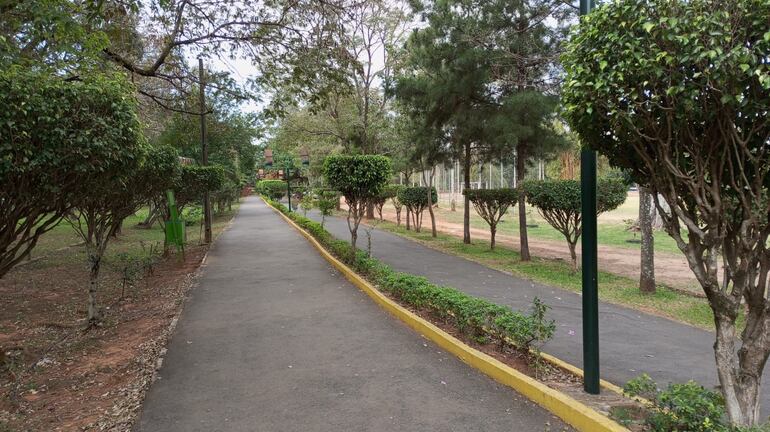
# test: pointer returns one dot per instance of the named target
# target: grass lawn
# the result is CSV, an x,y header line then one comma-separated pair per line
x,y
612,230
58,246
613,289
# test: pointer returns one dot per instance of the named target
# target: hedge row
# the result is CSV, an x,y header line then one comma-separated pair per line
x,y
274,189
473,316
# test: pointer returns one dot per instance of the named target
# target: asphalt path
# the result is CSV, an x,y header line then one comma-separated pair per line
x,y
274,339
631,342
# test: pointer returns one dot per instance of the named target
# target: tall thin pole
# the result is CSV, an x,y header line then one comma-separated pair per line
x,y
589,258
204,152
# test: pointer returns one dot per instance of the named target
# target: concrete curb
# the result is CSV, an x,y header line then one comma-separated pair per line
x,y
573,412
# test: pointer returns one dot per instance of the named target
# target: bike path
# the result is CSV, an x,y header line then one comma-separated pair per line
x,y
274,339
630,342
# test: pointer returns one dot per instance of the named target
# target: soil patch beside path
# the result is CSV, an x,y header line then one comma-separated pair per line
x,y
58,376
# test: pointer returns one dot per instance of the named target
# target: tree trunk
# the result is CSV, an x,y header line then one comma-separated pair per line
x,y
740,371
430,203
398,216
149,221
408,216
647,272
94,260
573,256
466,201
520,172
370,210
492,232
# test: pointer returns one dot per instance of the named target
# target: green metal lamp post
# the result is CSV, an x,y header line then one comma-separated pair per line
x,y
289,165
589,259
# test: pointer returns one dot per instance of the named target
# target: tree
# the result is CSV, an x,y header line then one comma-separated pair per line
x,y
415,199
477,74
677,92
558,202
359,178
491,205
326,202
528,122
388,193
647,256
57,140
142,176
393,191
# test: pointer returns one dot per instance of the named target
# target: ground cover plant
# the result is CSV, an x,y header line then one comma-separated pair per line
x,y
612,288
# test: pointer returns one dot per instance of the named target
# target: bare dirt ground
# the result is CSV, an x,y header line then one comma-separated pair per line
x,y
57,375
670,270
60,376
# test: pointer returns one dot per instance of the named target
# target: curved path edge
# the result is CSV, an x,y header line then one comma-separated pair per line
x,y
573,412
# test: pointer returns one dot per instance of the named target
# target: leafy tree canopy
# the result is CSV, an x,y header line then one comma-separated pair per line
x,y
678,93
58,142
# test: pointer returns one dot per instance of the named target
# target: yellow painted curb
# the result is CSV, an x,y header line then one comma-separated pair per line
x,y
575,413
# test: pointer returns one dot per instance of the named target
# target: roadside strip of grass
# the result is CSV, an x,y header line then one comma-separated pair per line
x,y
612,289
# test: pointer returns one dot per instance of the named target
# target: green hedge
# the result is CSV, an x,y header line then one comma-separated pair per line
x,y
475,317
275,189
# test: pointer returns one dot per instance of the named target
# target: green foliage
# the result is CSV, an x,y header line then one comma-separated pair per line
x,y
192,215
491,205
194,181
564,195
415,199
307,203
60,142
558,201
358,177
633,67
677,92
274,189
473,316
680,407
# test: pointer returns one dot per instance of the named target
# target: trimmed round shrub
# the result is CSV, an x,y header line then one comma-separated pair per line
x,y
273,189
360,178
415,199
491,205
558,201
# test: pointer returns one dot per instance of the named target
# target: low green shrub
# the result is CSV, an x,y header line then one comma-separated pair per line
x,y
274,189
307,203
192,215
473,316
687,407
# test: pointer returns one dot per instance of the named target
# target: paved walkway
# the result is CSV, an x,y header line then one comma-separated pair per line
x,y
273,339
631,342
